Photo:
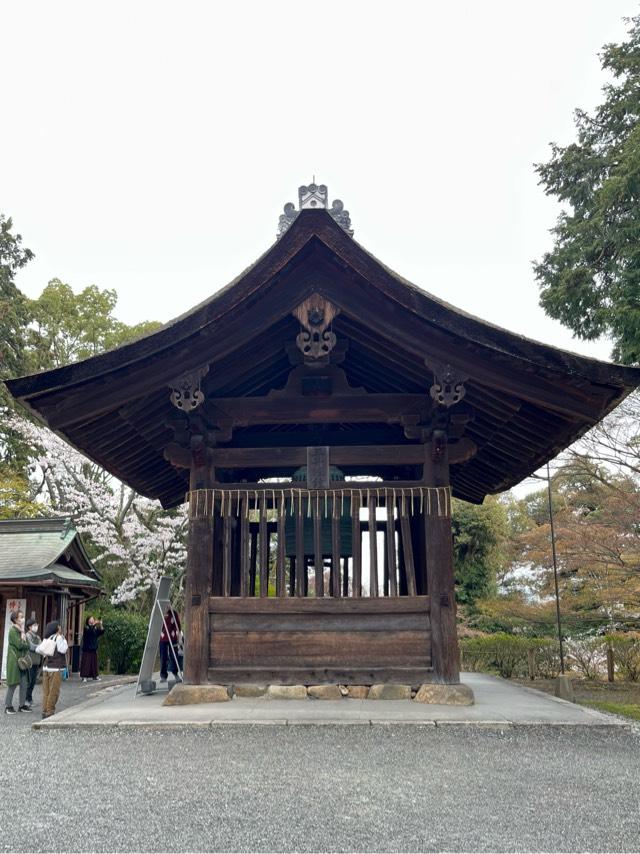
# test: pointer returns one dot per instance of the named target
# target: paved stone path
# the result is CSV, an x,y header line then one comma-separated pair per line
x,y
73,692
499,704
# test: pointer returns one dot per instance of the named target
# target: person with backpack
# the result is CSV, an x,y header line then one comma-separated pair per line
x,y
18,665
52,669
34,641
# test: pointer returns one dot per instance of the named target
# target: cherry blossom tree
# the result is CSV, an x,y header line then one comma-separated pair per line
x,y
133,541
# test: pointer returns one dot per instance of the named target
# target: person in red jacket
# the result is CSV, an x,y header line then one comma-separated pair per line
x,y
169,641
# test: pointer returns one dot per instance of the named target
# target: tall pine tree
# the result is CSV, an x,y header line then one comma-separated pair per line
x,y
590,280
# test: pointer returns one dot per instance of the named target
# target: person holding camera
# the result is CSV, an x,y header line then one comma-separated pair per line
x,y
52,671
89,666
18,665
169,641
34,641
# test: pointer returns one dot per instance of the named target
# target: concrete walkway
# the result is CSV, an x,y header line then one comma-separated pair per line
x,y
499,704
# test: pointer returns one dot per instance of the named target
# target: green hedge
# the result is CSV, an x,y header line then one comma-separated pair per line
x,y
508,655
123,641
626,654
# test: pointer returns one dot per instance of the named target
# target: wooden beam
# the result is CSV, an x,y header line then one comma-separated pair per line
x,y
300,562
356,545
341,455
280,559
372,504
391,549
264,547
445,657
337,409
245,545
327,605
198,586
318,557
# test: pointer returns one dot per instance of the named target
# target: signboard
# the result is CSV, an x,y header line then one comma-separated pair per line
x,y
318,467
146,685
12,605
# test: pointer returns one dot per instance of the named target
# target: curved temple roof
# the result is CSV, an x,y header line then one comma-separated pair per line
x,y
529,400
44,550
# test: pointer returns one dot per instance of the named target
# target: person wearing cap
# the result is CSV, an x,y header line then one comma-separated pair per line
x,y
52,669
18,647
34,640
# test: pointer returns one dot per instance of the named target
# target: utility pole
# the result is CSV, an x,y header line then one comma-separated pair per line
x,y
555,568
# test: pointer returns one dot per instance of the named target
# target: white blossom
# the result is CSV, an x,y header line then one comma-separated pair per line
x,y
127,529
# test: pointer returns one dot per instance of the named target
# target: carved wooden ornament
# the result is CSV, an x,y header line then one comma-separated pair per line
x,y
315,315
186,393
448,383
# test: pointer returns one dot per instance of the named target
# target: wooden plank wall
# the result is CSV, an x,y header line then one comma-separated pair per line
x,y
322,640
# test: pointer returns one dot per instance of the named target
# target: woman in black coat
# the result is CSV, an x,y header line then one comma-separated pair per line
x,y
89,665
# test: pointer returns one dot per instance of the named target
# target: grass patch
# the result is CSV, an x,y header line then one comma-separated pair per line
x,y
627,710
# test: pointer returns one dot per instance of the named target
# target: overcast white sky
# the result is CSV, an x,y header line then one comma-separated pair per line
x,y
150,146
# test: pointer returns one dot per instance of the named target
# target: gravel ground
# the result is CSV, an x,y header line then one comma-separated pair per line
x,y
322,789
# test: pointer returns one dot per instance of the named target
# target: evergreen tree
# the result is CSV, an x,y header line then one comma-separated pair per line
x,y
14,314
590,280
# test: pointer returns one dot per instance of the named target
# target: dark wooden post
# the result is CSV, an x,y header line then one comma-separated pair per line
x,y
611,670
199,575
445,656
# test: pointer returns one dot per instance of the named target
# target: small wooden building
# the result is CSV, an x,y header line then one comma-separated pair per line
x,y
44,566
318,413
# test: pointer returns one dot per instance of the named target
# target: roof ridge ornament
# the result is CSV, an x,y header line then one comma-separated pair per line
x,y
314,196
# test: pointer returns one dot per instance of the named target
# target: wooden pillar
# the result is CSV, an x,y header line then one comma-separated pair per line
x,y
198,582
445,656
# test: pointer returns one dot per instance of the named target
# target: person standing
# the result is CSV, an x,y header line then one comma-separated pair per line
x,y
34,640
169,639
89,666
52,669
18,649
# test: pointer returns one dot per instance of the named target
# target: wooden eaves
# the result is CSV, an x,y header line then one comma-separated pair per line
x,y
529,400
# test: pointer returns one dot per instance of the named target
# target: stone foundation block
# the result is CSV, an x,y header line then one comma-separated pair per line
x,y
184,695
324,692
249,690
389,692
445,695
358,692
563,688
286,692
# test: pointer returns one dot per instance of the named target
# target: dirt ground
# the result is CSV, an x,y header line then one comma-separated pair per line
x,y
589,691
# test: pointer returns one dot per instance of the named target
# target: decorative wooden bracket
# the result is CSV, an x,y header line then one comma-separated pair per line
x,y
315,315
448,383
186,393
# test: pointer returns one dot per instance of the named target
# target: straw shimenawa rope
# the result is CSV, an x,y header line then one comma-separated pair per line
x,y
204,503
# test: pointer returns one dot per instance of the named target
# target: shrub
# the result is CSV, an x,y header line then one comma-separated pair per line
x,y
502,652
626,653
587,655
547,658
473,653
125,634
510,654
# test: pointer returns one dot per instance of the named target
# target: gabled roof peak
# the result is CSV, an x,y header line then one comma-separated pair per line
x,y
314,197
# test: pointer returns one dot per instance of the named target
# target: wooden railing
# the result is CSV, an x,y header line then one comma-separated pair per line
x,y
271,536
